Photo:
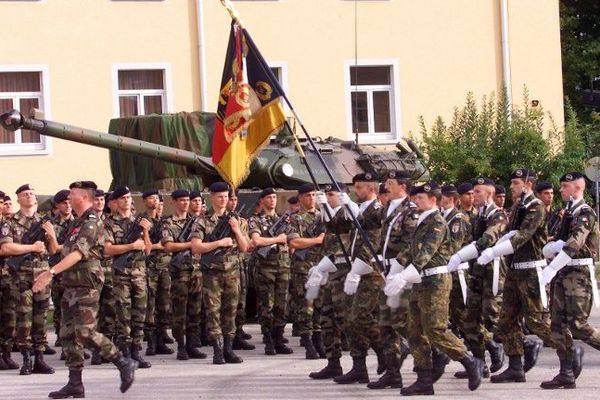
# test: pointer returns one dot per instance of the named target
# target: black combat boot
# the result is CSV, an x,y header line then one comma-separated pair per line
x,y
565,378
269,343
57,343
239,343
166,338
126,368
135,354
280,346
358,373
161,347
577,360
311,352
531,352
26,368
182,354
496,355
331,370
392,377
96,357
74,388
245,335
3,365
439,360
49,351
404,352
10,363
295,330
381,367
422,386
474,368
151,347
218,357
317,339
228,354
191,350
514,372
39,365
204,336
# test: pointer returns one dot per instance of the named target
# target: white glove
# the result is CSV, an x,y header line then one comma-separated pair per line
x,y
325,207
351,283
325,278
503,249
552,248
325,265
486,257
394,285
556,265
395,267
321,198
506,236
393,301
314,279
410,274
345,201
454,262
467,253
344,198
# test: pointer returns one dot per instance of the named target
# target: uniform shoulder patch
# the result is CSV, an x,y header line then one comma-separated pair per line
x,y
455,228
5,229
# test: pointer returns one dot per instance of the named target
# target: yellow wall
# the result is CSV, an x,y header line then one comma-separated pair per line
x,y
443,48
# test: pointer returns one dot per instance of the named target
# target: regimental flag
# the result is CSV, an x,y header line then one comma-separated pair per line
x,y
249,109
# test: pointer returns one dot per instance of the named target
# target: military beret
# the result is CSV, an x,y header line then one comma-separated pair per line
x,y
179,193
23,188
412,191
429,187
523,173
571,176
108,196
464,187
120,191
399,175
194,194
543,185
6,197
267,191
160,198
99,193
365,177
383,189
218,187
61,196
149,192
306,188
293,200
449,189
90,185
2,194
332,188
482,181
500,189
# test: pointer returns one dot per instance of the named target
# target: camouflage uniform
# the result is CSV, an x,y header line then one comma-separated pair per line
x,y
107,315
57,289
240,316
8,307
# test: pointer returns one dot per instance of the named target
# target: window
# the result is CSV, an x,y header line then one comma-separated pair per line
x,y
22,89
371,105
142,91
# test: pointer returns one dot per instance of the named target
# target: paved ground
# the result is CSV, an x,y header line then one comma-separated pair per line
x,y
283,377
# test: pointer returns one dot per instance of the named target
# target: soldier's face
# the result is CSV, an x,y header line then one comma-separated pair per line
x,y
151,202
27,198
396,189
219,200
424,202
196,204
333,199
517,186
480,195
124,202
466,199
232,203
7,207
500,199
447,202
567,190
363,190
77,199
269,202
159,208
308,200
546,196
64,208
182,204
99,203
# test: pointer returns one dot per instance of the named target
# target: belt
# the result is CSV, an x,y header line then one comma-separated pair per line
x,y
529,264
580,261
589,262
538,264
435,271
339,260
463,266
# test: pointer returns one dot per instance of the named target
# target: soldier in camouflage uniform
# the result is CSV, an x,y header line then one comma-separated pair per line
x,y
305,237
545,192
500,196
32,309
573,279
81,277
465,193
221,269
523,295
272,272
430,295
130,280
186,277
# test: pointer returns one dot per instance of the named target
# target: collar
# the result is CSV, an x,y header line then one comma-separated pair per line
x,y
447,212
395,203
364,205
425,214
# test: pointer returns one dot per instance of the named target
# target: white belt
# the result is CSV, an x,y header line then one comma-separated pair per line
x,y
463,266
339,260
580,261
538,264
435,271
529,264
589,262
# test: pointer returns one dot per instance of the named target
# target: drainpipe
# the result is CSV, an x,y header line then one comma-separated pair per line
x,y
201,54
505,50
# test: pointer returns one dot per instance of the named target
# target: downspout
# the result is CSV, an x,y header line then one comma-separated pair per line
x,y
506,76
201,55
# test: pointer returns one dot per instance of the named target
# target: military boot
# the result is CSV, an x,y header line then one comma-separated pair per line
x,y
473,367
269,344
422,386
74,388
182,354
151,347
317,339
39,365
381,367
10,363
496,355
311,352
531,352
126,368
358,373
295,330
96,357
280,346
228,354
239,343
204,336
439,360
218,357
3,365
404,352
485,372
514,372
49,351
392,377
565,378
192,351
577,360
26,368
161,347
135,354
245,335
331,370
166,338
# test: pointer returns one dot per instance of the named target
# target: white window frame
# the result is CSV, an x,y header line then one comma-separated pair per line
x,y
395,112
44,147
166,93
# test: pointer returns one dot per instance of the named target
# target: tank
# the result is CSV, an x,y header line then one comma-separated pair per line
x,y
278,165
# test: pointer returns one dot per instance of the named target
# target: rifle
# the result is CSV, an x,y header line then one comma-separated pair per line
x,y
567,220
314,230
156,231
221,231
184,236
280,226
134,233
481,226
520,212
55,258
34,233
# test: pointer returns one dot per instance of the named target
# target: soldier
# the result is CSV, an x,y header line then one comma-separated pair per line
x,y
430,295
32,308
500,196
272,271
545,192
465,192
158,280
305,237
573,280
484,298
384,195
7,207
523,294
196,203
99,201
186,277
293,205
129,279
81,277
218,238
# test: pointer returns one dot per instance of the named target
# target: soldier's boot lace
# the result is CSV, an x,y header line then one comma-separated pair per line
x,y
280,344
565,378
496,355
514,372
218,357
358,373
228,354
439,360
474,368
392,377
269,343
135,354
39,365
74,388
331,370
192,351
26,367
126,368
311,352
422,386
531,352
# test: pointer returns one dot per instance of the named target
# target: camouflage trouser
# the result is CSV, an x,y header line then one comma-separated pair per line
x,y
271,291
393,323
308,312
8,309
521,299
428,321
458,308
32,308
571,306
240,316
186,294
130,301
57,291
107,317
363,321
78,326
334,312
158,309
221,295
292,302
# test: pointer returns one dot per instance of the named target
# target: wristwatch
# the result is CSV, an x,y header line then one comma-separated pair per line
x,y
52,271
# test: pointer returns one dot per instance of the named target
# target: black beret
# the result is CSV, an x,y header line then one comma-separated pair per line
x,y
500,189
464,187
571,176
449,189
149,192
179,193
543,185
23,188
482,181
2,194
293,200
120,191
267,191
194,194
412,191
61,196
365,177
90,185
429,187
108,196
383,189
332,188
218,187
160,198
99,192
6,197
306,188
399,175
523,173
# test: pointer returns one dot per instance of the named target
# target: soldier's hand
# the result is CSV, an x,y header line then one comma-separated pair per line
x,y
39,247
282,238
235,225
42,281
49,229
320,238
145,224
226,242
138,245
